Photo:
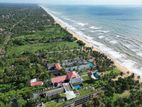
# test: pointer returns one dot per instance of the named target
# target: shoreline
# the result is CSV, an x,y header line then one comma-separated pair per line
x,y
121,67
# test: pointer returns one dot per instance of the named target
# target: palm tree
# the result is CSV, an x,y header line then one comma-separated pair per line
x,y
121,73
138,77
98,101
133,75
128,72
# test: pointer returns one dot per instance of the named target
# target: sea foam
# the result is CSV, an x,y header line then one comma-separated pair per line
x,y
101,37
139,53
95,28
113,42
81,24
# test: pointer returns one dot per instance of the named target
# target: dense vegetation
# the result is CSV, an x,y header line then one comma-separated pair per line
x,y
21,19
29,39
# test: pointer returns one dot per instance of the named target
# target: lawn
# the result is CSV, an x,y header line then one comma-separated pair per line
x,y
49,32
37,36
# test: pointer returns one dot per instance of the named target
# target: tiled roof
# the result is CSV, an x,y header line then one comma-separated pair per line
x,y
58,79
38,83
71,75
61,79
58,66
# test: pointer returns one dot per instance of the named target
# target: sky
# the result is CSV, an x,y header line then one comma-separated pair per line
x,y
125,2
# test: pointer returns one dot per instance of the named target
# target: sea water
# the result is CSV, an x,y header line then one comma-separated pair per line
x,y
116,30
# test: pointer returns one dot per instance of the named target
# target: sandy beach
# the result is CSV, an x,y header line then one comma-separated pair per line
x,y
75,34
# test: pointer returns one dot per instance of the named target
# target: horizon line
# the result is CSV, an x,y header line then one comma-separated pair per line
x,y
111,4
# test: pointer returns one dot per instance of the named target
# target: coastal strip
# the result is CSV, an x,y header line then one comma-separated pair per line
x,y
88,43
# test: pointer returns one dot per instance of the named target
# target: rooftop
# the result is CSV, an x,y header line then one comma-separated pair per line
x,y
58,67
38,83
71,75
58,79
70,95
76,80
61,79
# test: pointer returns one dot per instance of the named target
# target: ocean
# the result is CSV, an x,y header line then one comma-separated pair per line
x,y
116,30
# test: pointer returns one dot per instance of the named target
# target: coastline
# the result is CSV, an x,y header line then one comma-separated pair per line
x,y
75,34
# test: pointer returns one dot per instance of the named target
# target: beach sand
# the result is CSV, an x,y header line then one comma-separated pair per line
x,y
88,44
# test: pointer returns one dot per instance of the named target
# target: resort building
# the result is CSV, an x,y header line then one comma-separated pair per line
x,y
86,66
94,74
78,64
65,78
58,79
71,75
54,92
49,93
76,83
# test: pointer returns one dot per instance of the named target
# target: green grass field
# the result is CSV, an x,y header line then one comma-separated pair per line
x,y
17,50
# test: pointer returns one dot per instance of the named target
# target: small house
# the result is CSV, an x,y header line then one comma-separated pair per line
x,y
37,83
54,67
81,67
94,74
58,67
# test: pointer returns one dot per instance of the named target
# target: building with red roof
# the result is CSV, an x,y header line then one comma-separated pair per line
x,y
37,83
58,79
58,67
71,75
61,79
